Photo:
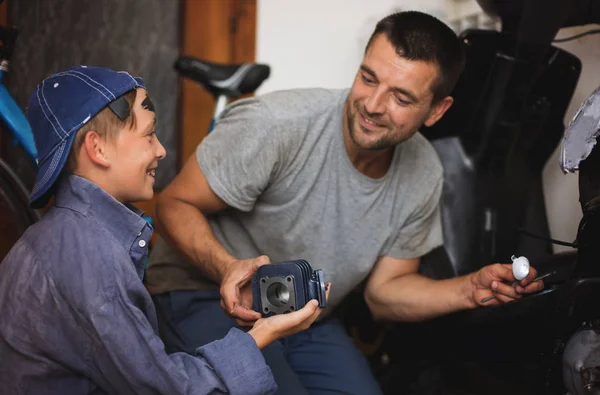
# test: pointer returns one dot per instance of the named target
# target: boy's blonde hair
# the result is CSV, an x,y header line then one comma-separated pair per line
x,y
106,124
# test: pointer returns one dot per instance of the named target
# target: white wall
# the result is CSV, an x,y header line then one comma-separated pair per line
x,y
319,43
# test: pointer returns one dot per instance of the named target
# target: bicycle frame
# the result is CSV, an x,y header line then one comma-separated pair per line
x,y
220,105
10,112
14,118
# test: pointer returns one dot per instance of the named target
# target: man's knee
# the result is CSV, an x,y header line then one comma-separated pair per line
x,y
188,320
327,361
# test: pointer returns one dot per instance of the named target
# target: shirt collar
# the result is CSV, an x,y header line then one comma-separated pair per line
x,y
125,222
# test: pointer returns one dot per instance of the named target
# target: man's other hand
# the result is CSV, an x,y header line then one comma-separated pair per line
x,y
236,289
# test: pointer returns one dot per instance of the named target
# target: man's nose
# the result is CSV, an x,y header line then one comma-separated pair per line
x,y
375,103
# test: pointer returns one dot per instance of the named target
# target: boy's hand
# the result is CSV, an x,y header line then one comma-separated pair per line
x,y
267,330
236,289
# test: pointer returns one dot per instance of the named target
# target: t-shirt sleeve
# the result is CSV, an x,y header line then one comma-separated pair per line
x,y
242,153
422,232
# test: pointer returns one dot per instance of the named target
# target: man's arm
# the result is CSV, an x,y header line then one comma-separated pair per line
x,y
396,291
180,212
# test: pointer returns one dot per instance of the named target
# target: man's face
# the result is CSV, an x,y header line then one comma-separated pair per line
x,y
135,154
390,99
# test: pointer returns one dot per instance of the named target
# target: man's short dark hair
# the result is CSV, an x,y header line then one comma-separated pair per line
x,y
419,36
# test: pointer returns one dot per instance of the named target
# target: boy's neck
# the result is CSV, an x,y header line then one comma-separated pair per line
x,y
101,181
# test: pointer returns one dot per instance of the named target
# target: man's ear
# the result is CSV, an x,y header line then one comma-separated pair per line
x,y
438,110
95,148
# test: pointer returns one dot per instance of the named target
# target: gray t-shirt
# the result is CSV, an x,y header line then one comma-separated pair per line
x,y
280,162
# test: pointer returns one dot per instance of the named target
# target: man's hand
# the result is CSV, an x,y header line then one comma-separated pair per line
x,y
266,330
236,289
497,280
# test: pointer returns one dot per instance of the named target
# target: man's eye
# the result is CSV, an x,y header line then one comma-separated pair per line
x,y
152,134
367,79
402,102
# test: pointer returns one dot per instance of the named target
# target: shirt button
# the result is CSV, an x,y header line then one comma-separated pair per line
x,y
139,234
142,243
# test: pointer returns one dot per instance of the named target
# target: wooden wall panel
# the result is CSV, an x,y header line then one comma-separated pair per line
x,y
244,31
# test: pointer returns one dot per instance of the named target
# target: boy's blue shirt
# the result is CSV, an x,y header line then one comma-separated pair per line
x,y
76,318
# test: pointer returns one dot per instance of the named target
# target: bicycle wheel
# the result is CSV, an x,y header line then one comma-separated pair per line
x,y
15,213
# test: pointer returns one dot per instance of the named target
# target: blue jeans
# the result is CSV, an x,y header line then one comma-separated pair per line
x,y
320,360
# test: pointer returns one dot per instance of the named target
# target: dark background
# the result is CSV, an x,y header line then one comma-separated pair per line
x,y
139,36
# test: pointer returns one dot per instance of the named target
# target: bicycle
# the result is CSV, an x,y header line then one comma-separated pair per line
x,y
14,208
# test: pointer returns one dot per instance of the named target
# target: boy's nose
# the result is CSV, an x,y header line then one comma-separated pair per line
x,y
161,152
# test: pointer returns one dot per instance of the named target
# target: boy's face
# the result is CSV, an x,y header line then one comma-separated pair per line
x,y
135,154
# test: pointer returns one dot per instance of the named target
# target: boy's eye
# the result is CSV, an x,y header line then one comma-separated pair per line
x,y
152,134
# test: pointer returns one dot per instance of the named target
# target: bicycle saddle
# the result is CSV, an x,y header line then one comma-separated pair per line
x,y
231,80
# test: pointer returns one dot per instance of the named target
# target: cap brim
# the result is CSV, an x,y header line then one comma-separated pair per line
x,y
48,172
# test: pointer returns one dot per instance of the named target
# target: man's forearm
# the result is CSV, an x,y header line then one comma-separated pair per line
x,y
413,297
186,228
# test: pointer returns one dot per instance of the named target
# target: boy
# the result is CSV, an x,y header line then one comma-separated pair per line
x,y
76,317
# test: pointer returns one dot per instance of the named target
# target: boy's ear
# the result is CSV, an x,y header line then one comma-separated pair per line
x,y
95,148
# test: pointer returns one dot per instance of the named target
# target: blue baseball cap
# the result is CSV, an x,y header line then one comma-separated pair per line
x,y
59,107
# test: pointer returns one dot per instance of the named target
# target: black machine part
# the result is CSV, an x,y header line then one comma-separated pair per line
x,y
580,136
581,361
278,294
284,287
489,152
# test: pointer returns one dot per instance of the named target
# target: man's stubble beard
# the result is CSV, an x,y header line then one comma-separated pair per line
x,y
384,142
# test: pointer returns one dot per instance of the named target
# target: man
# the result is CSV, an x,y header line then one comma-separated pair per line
x,y
340,178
